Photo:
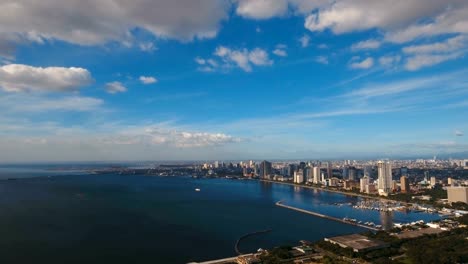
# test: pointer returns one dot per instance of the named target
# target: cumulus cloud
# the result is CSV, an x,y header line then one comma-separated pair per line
x,y
186,139
97,22
280,50
452,19
364,64
228,58
304,40
261,9
322,59
23,78
458,133
148,79
355,15
367,44
115,87
264,9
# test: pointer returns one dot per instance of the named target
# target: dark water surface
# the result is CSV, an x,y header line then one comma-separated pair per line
x,y
141,219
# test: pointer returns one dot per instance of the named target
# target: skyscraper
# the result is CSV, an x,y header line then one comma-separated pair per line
x,y
433,181
299,176
352,173
308,176
316,173
363,183
385,177
345,173
404,184
265,169
329,170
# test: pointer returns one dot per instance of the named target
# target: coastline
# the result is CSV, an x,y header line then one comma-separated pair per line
x,y
334,191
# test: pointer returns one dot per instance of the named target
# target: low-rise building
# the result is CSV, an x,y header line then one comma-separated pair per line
x,y
358,243
457,194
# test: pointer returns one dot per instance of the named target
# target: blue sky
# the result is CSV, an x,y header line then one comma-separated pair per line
x,y
239,79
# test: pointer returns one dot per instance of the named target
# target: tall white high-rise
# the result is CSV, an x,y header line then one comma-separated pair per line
x,y
299,176
385,177
316,173
363,183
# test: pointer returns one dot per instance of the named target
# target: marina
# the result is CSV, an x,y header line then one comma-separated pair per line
x,y
345,220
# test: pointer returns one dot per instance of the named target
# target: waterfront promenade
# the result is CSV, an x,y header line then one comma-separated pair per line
x,y
279,203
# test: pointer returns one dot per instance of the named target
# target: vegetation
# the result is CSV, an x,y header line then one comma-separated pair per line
x,y
277,255
449,247
446,247
463,219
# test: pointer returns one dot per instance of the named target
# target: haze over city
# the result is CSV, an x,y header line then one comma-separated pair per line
x,y
214,79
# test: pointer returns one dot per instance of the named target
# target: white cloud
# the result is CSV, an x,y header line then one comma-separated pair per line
x,y
115,87
458,133
259,57
186,139
322,46
419,61
264,9
147,47
434,53
22,78
423,84
28,140
322,59
356,15
364,64
389,61
449,45
367,44
452,19
200,61
261,9
27,103
304,40
97,22
148,79
243,58
280,52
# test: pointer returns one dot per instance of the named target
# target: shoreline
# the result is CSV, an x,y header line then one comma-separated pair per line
x,y
335,191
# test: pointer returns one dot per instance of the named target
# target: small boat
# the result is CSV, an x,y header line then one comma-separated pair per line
x,y
197,189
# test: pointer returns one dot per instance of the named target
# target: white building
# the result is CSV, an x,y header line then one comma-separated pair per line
x,y
298,176
316,173
457,194
363,183
385,177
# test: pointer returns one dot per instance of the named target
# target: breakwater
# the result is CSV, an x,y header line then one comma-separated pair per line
x,y
236,247
279,203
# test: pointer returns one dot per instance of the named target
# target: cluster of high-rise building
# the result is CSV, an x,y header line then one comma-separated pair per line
x,y
372,177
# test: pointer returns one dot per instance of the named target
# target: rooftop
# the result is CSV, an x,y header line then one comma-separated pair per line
x,y
357,242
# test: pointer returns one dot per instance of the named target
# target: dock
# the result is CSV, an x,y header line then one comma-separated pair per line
x,y
280,204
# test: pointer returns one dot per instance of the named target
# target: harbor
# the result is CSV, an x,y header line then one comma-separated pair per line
x,y
344,220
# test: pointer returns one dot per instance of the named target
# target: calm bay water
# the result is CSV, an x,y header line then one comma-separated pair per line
x,y
141,219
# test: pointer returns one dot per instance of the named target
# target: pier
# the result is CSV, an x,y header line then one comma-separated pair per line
x,y
279,203
236,247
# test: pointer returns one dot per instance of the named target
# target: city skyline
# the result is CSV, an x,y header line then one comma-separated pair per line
x,y
233,80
